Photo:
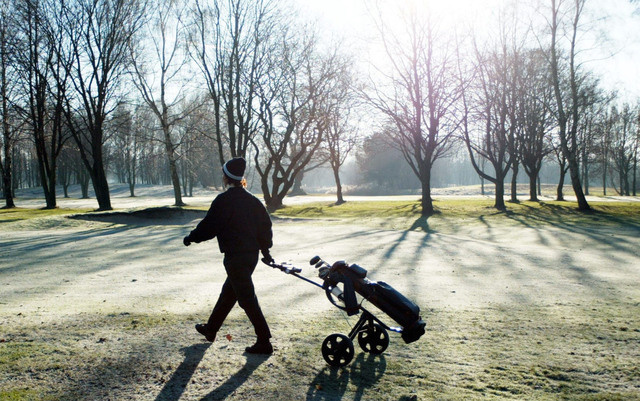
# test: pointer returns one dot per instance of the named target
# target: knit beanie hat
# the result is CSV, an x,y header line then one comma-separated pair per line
x,y
234,168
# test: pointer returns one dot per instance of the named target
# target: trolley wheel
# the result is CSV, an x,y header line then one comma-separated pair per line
x,y
373,339
337,350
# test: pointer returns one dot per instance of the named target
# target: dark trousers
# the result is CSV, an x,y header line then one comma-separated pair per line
x,y
239,287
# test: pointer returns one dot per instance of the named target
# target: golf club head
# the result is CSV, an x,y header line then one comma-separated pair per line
x,y
314,260
319,264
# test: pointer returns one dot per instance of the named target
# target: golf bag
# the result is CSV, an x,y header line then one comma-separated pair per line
x,y
380,294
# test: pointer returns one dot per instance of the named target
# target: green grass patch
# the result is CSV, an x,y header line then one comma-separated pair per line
x,y
20,214
404,214
352,210
24,394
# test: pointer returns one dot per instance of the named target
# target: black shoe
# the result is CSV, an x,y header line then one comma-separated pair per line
x,y
202,329
264,348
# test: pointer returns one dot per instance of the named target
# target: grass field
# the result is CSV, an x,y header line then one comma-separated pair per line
x,y
562,353
20,214
451,213
556,318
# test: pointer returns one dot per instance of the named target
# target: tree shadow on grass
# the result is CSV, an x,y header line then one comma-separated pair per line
x,y
595,224
173,389
566,216
420,223
237,379
332,383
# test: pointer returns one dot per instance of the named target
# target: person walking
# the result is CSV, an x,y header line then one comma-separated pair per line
x,y
243,227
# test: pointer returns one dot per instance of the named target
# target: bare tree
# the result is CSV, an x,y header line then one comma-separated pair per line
x,y
491,117
230,43
44,77
160,78
536,122
293,108
567,108
594,105
9,131
341,134
636,152
563,166
100,32
623,147
34,75
128,127
199,148
605,145
421,96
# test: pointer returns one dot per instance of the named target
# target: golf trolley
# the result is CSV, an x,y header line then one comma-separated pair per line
x,y
337,349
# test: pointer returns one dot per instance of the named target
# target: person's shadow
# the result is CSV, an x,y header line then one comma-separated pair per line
x,y
237,379
173,389
331,383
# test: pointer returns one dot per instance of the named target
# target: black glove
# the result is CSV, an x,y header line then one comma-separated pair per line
x,y
186,241
266,257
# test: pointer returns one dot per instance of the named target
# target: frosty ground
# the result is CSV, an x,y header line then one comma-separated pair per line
x,y
104,308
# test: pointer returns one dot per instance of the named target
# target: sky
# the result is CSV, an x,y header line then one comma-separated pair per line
x,y
612,43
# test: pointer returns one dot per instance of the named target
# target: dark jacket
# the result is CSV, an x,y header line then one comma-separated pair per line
x,y
239,220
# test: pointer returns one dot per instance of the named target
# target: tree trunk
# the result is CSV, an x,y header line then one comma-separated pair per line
x,y
6,164
101,188
274,203
336,176
7,183
604,179
50,191
47,181
425,179
559,192
175,180
627,188
133,168
585,169
65,178
7,187
499,202
83,179
574,173
297,186
514,183
533,187
100,185
635,175
620,189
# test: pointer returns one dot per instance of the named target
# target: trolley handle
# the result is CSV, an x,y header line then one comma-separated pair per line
x,y
286,268
289,269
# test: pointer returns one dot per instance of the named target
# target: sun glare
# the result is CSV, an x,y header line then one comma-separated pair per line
x,y
618,62
354,17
